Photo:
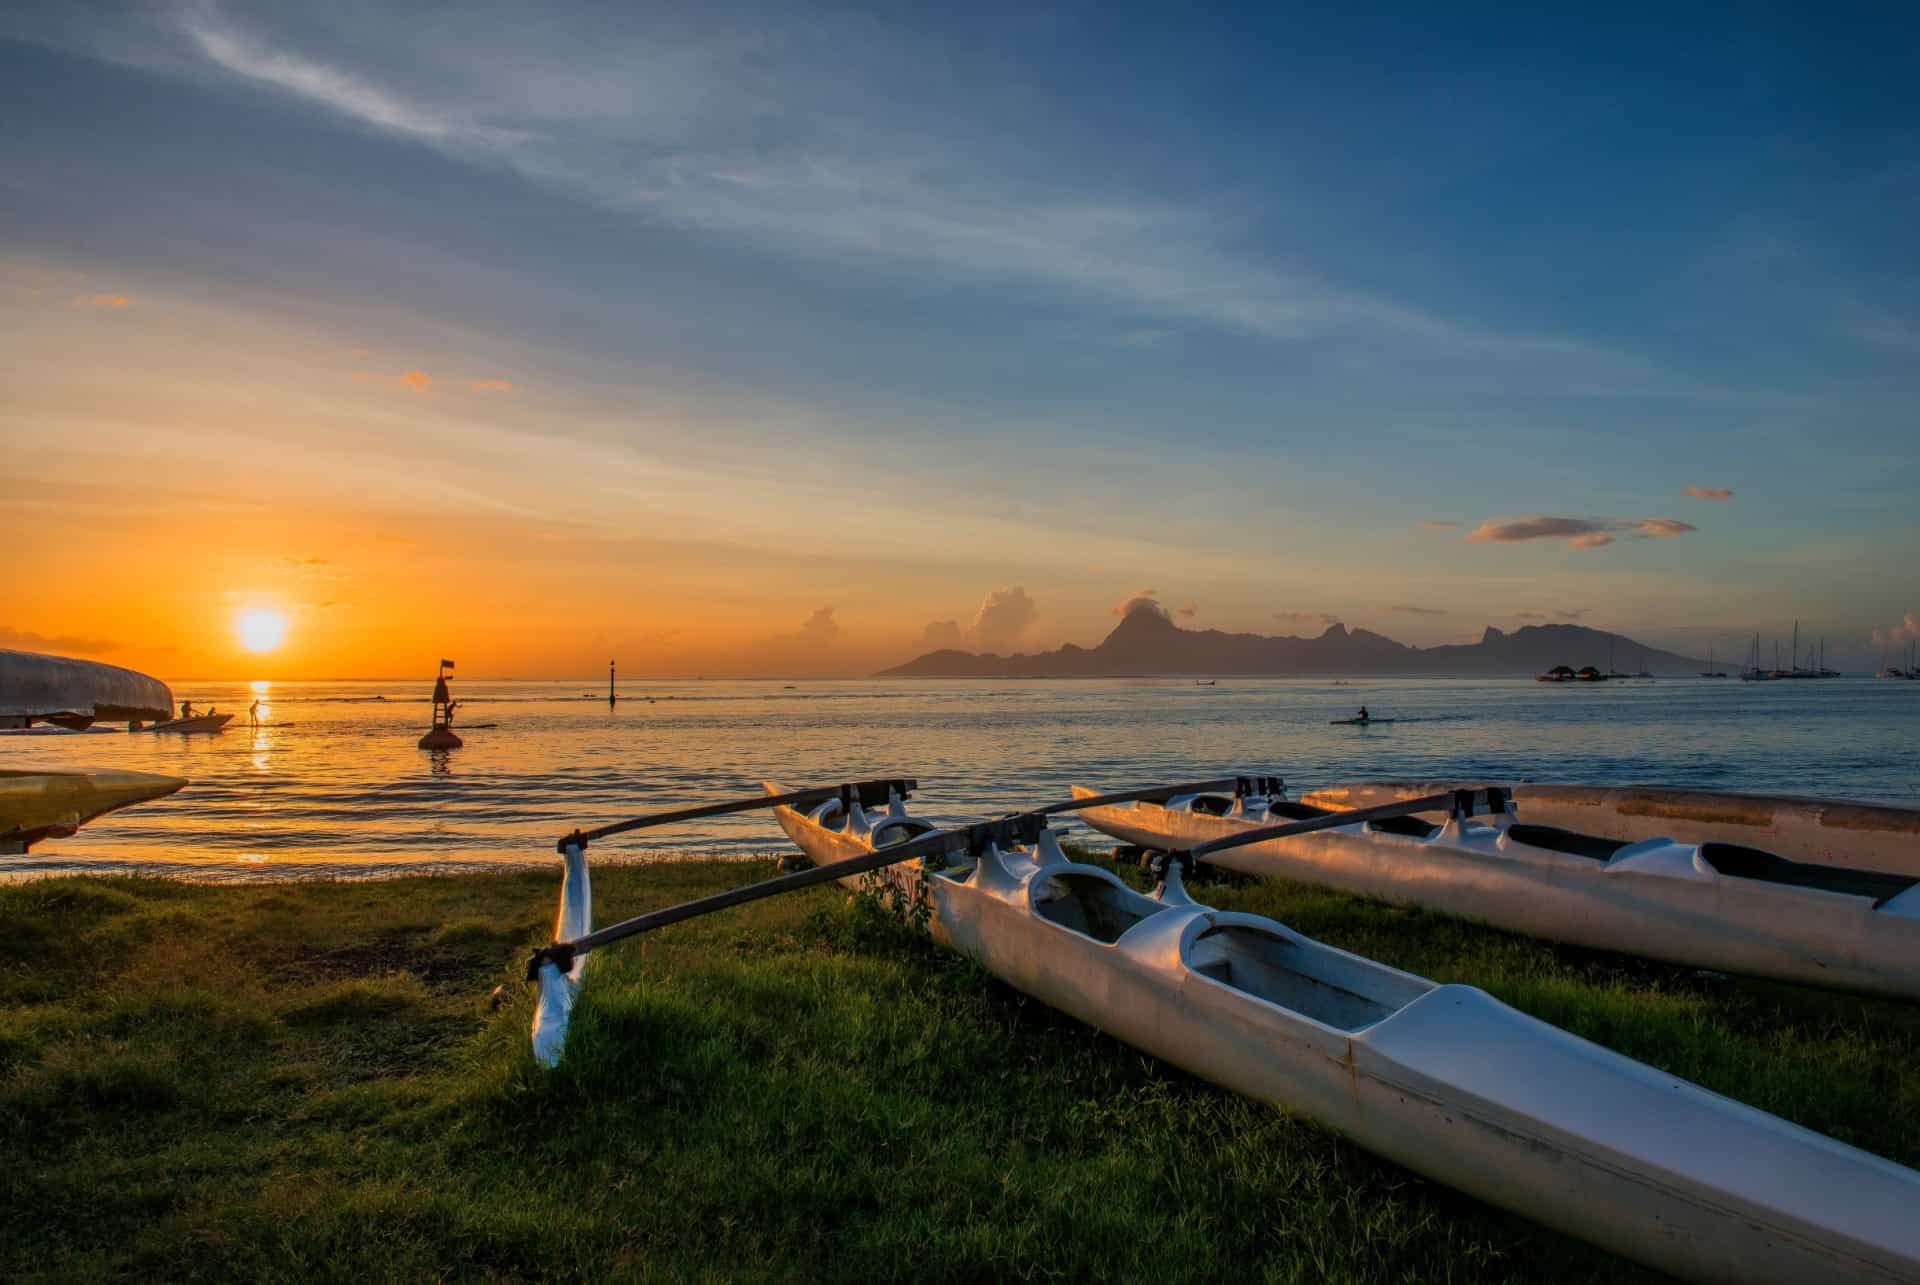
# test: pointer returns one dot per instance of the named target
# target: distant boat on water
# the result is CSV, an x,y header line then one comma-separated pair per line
x,y
1558,674
1712,670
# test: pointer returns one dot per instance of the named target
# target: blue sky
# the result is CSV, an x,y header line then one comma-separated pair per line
x,y
1225,303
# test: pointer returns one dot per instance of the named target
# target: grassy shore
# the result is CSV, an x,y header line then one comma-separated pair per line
x,y
310,1082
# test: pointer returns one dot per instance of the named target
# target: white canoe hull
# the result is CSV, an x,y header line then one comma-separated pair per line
x,y
1442,1079
1839,832
1656,899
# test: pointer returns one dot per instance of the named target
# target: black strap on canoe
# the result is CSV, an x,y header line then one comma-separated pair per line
x,y
1272,787
1021,828
871,794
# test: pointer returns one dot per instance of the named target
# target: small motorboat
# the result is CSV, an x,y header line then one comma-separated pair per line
x,y
198,724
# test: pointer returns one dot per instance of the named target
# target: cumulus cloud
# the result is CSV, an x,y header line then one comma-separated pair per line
x,y
102,302
1420,611
1139,600
820,627
1187,610
943,635
491,386
27,640
1437,524
1707,492
1003,616
1579,533
1324,619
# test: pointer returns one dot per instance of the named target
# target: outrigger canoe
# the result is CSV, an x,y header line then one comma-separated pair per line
x,y
1708,905
1841,832
1443,1079
37,804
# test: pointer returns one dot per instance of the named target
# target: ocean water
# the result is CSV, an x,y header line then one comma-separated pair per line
x,y
333,786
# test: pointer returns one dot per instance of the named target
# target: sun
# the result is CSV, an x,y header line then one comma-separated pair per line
x,y
260,629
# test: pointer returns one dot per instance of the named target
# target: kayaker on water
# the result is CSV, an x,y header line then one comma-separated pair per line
x,y
1364,716
186,709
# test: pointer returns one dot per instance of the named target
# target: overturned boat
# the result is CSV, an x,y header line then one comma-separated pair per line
x,y
1708,905
69,693
1445,1079
1838,832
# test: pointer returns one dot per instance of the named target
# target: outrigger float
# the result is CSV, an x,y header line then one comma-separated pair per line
x,y
1443,1079
1708,905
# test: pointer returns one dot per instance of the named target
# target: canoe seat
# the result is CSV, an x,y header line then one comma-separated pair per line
x,y
1212,805
1090,904
1574,844
1751,863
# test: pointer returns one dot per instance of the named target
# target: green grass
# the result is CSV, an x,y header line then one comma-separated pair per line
x,y
310,1082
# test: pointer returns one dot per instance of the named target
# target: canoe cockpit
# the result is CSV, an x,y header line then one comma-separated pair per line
x,y
1332,988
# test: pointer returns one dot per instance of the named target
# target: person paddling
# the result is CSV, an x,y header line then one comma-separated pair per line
x,y
1364,716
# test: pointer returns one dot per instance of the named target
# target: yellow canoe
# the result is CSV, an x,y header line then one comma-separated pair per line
x,y
36,805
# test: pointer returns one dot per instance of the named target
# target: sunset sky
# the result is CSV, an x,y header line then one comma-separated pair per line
x,y
794,340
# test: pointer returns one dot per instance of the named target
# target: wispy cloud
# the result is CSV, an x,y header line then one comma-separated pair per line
x,y
27,640
1579,533
1437,524
1707,492
1187,610
490,386
102,302
1420,611
412,381
748,134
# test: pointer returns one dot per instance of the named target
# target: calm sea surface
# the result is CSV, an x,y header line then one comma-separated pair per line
x,y
333,785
